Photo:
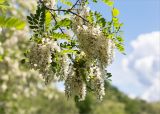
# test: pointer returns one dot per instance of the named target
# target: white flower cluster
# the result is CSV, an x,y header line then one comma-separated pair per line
x,y
97,48
50,3
74,85
97,81
93,42
40,58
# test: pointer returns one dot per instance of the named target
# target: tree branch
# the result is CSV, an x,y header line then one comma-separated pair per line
x,y
74,5
66,10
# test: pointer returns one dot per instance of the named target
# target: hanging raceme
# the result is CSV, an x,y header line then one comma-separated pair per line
x,y
78,57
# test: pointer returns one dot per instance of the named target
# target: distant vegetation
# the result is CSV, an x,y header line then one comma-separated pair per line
x,y
116,102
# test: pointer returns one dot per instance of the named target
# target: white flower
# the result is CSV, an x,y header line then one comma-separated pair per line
x,y
50,3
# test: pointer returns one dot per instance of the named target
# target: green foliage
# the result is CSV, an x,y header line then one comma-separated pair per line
x,y
111,107
37,21
115,12
116,102
3,5
59,35
94,1
63,23
108,2
48,20
11,22
44,23
90,17
2,1
66,2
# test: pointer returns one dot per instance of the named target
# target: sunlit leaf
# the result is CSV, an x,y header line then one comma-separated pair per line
x,y
66,2
11,22
115,12
108,2
60,36
48,19
63,23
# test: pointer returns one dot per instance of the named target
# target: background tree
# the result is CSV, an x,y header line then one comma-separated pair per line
x,y
21,91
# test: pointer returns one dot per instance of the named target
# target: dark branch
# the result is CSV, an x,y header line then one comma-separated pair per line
x,y
66,10
74,5
63,10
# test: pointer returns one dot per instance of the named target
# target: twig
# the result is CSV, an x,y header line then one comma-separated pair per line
x,y
74,5
68,10
65,10
56,21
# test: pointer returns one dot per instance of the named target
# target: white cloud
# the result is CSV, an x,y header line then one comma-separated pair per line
x,y
143,66
153,92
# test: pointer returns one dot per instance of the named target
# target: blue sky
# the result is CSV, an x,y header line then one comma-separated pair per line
x,y
137,73
138,16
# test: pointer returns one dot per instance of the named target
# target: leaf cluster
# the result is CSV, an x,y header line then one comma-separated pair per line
x,y
7,21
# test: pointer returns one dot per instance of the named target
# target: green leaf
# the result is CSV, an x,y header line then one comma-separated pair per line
x,y
66,2
60,36
102,22
108,2
98,15
120,39
48,19
3,5
99,19
11,22
37,21
109,75
1,58
90,18
63,23
120,47
2,1
68,51
94,1
116,22
115,12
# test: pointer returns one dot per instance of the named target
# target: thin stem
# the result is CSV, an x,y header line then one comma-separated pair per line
x,y
56,21
74,5
66,10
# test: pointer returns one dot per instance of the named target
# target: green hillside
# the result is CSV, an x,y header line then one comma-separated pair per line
x,y
116,102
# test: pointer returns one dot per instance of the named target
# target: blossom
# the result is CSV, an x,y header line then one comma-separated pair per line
x,y
93,42
74,85
97,81
40,58
50,3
